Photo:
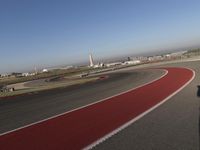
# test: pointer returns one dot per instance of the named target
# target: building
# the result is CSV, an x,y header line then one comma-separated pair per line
x,y
45,70
132,62
16,74
113,64
5,75
26,74
99,65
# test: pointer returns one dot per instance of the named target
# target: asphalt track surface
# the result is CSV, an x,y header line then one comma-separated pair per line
x,y
23,110
175,125
73,130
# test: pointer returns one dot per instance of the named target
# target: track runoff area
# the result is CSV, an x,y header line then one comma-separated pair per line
x,y
85,127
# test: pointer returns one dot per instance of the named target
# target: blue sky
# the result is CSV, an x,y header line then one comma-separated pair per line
x,y
46,33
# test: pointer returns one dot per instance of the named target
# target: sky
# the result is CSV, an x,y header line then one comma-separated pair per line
x,y
46,33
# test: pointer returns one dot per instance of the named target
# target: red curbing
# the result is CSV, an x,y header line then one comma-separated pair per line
x,y
80,128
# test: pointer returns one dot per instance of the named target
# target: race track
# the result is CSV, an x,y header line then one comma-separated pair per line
x,y
80,128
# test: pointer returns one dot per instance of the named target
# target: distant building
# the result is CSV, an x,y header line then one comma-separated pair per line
x,y
114,64
132,62
67,67
99,65
150,58
26,74
45,70
155,58
4,75
16,74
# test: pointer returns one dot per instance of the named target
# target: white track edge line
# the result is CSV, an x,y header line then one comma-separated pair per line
x,y
102,139
61,114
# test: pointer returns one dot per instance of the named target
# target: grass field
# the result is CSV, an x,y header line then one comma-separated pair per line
x,y
48,87
51,73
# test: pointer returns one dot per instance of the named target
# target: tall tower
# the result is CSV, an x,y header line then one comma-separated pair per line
x,y
36,70
91,60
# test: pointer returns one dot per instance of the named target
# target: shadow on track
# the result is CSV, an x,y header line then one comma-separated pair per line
x,y
198,95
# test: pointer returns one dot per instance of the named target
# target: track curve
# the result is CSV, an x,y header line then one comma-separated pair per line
x,y
79,128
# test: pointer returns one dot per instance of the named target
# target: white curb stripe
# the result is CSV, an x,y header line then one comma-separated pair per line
x,y
138,117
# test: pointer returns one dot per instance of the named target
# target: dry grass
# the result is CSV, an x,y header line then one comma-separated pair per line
x,y
48,87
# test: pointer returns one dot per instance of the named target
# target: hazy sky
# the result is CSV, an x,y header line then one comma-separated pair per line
x,y
53,32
